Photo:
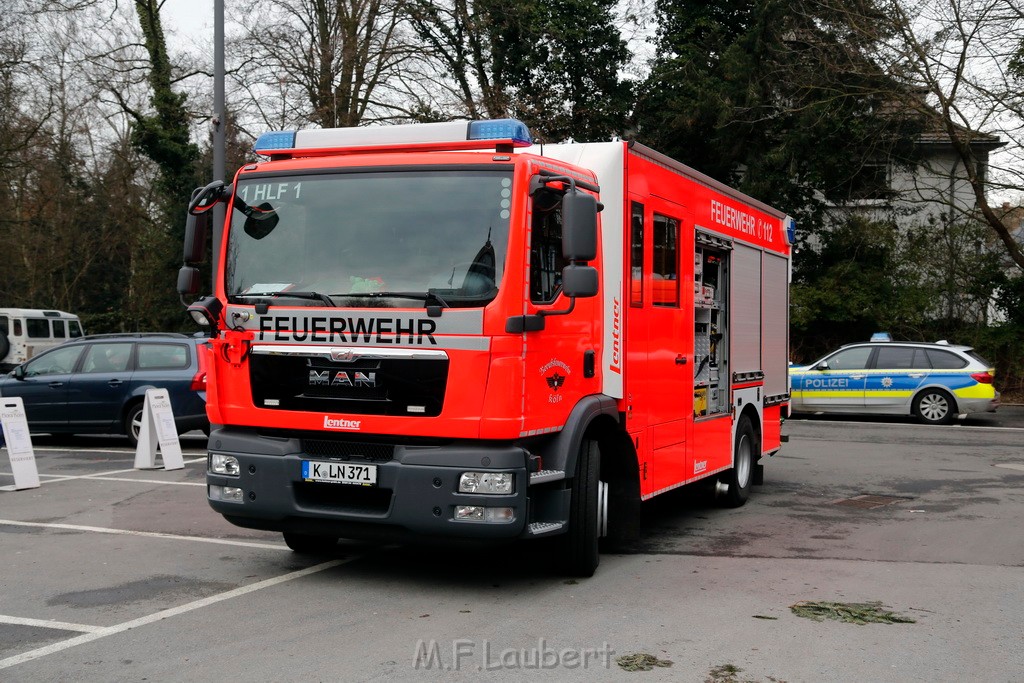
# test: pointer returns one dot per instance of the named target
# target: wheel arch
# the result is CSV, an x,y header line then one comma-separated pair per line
x,y
595,416
934,387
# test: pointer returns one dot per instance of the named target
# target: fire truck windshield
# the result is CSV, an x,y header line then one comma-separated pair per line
x,y
370,238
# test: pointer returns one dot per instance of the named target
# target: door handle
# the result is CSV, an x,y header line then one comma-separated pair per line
x,y
115,382
856,376
56,384
915,375
680,359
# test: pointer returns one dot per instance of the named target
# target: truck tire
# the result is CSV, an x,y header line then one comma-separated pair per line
x,y
133,423
741,477
935,407
580,554
305,544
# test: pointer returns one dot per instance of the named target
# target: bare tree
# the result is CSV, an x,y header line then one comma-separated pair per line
x,y
326,62
958,53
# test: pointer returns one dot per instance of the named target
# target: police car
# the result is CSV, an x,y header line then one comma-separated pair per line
x,y
934,382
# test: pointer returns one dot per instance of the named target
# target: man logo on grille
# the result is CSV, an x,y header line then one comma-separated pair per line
x,y
342,378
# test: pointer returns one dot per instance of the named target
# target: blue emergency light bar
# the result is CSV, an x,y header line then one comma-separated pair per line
x,y
457,133
881,337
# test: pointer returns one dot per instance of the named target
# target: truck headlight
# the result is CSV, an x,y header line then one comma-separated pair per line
x,y
499,483
224,464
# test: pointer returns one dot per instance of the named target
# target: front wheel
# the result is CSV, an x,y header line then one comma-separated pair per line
x,y
934,407
580,554
741,477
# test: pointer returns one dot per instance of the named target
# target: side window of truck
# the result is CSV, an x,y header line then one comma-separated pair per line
x,y
546,261
665,269
636,255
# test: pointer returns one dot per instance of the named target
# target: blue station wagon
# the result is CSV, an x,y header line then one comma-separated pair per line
x,y
934,382
96,384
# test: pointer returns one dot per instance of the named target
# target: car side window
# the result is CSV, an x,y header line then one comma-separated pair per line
x,y
850,359
894,358
56,362
944,360
162,356
107,358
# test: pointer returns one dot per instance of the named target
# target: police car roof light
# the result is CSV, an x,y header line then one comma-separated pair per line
x,y
462,134
881,337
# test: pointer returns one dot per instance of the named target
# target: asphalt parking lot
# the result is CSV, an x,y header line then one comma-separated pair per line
x,y
111,573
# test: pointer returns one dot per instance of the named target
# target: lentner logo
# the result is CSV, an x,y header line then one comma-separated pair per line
x,y
352,425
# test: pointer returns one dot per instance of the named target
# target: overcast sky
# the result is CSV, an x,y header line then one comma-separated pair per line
x,y
190,19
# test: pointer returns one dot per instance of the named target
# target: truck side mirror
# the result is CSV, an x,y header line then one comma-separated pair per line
x,y
196,228
579,281
188,281
579,226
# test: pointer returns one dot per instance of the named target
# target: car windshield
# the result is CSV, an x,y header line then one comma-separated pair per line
x,y
380,239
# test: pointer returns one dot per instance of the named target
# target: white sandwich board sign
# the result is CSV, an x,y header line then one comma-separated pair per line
x,y
19,443
158,433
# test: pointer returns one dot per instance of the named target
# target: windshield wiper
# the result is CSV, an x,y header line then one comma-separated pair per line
x,y
312,296
425,297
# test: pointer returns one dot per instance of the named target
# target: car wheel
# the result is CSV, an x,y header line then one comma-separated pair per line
x,y
935,407
741,477
580,554
310,545
133,423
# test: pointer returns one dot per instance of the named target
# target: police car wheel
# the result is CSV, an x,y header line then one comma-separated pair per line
x,y
580,554
741,477
935,406
310,545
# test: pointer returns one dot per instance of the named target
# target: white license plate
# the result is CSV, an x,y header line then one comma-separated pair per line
x,y
339,472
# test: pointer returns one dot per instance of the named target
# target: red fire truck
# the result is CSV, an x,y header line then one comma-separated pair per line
x,y
445,330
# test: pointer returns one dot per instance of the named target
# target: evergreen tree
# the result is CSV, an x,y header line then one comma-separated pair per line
x,y
778,97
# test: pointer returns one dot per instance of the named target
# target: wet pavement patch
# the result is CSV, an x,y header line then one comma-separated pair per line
x,y
137,591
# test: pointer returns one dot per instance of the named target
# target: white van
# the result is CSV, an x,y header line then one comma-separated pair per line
x,y
25,332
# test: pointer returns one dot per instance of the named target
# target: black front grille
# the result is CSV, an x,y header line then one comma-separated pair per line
x,y
343,498
412,387
347,450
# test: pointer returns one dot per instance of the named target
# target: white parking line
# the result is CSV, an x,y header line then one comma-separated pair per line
x,y
122,451
48,623
167,613
56,478
146,534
